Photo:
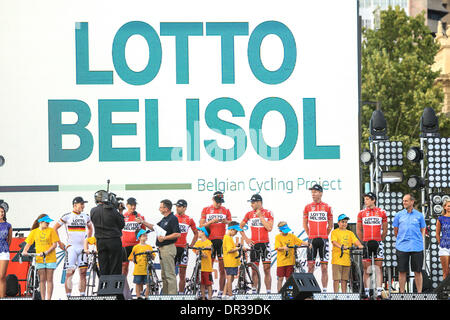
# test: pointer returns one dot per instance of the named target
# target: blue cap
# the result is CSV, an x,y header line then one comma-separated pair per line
x,y
342,217
203,229
141,232
285,228
45,218
235,227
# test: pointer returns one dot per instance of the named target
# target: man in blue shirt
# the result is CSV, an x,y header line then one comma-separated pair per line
x,y
409,228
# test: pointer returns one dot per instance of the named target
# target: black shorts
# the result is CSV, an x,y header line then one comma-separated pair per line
x,y
319,246
404,258
181,258
126,251
216,249
262,253
369,249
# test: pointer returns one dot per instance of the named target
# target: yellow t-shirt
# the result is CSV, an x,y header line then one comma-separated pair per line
x,y
229,259
206,261
140,268
343,237
282,240
43,240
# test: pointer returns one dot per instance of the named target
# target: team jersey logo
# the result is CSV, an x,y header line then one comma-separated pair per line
x,y
317,216
372,221
214,216
131,226
184,228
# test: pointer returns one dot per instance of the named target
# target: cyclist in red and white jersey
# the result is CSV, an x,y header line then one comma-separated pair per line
x,y
371,227
133,222
217,217
182,258
261,223
318,223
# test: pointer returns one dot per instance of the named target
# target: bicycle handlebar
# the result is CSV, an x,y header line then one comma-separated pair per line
x,y
146,253
198,248
351,249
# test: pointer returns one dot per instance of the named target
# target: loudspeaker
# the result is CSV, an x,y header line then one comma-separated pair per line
x,y
443,290
300,286
115,284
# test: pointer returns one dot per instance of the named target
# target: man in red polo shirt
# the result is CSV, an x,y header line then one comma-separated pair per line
x,y
182,257
371,227
217,217
318,223
133,222
261,223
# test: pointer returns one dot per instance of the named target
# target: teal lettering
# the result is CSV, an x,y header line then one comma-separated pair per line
x,y
107,129
56,129
83,73
154,56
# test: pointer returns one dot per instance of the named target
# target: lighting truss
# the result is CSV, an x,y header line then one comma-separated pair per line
x,y
391,202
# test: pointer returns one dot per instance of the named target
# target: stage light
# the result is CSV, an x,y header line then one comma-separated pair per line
x,y
366,157
436,203
391,177
414,154
378,126
391,202
438,160
390,153
415,182
429,123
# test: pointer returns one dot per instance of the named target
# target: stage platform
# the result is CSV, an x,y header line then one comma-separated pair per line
x,y
255,297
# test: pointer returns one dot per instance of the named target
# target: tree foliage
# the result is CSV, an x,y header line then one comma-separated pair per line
x,y
397,61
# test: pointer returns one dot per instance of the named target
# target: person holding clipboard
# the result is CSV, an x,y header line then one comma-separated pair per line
x,y
167,233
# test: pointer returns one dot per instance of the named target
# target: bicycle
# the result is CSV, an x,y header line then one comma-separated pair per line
x,y
356,281
92,272
32,283
193,283
372,269
247,270
298,266
153,282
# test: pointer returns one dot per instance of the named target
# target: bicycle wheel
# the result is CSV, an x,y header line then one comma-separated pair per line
x,y
245,279
90,281
154,283
193,284
30,282
356,280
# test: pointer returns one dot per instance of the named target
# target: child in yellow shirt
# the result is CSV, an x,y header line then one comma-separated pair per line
x,y
230,254
285,255
342,239
140,266
45,240
206,268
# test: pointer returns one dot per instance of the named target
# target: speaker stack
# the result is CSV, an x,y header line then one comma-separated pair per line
x,y
114,285
300,286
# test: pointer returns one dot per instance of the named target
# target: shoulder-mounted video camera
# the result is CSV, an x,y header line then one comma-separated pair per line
x,y
109,199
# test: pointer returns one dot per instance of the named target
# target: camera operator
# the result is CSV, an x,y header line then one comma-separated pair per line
x,y
108,224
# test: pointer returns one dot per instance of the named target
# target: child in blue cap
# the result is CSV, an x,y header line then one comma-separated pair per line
x,y
230,252
140,266
285,255
206,267
342,239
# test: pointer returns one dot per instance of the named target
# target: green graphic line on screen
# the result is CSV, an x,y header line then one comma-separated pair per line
x,y
159,186
95,187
